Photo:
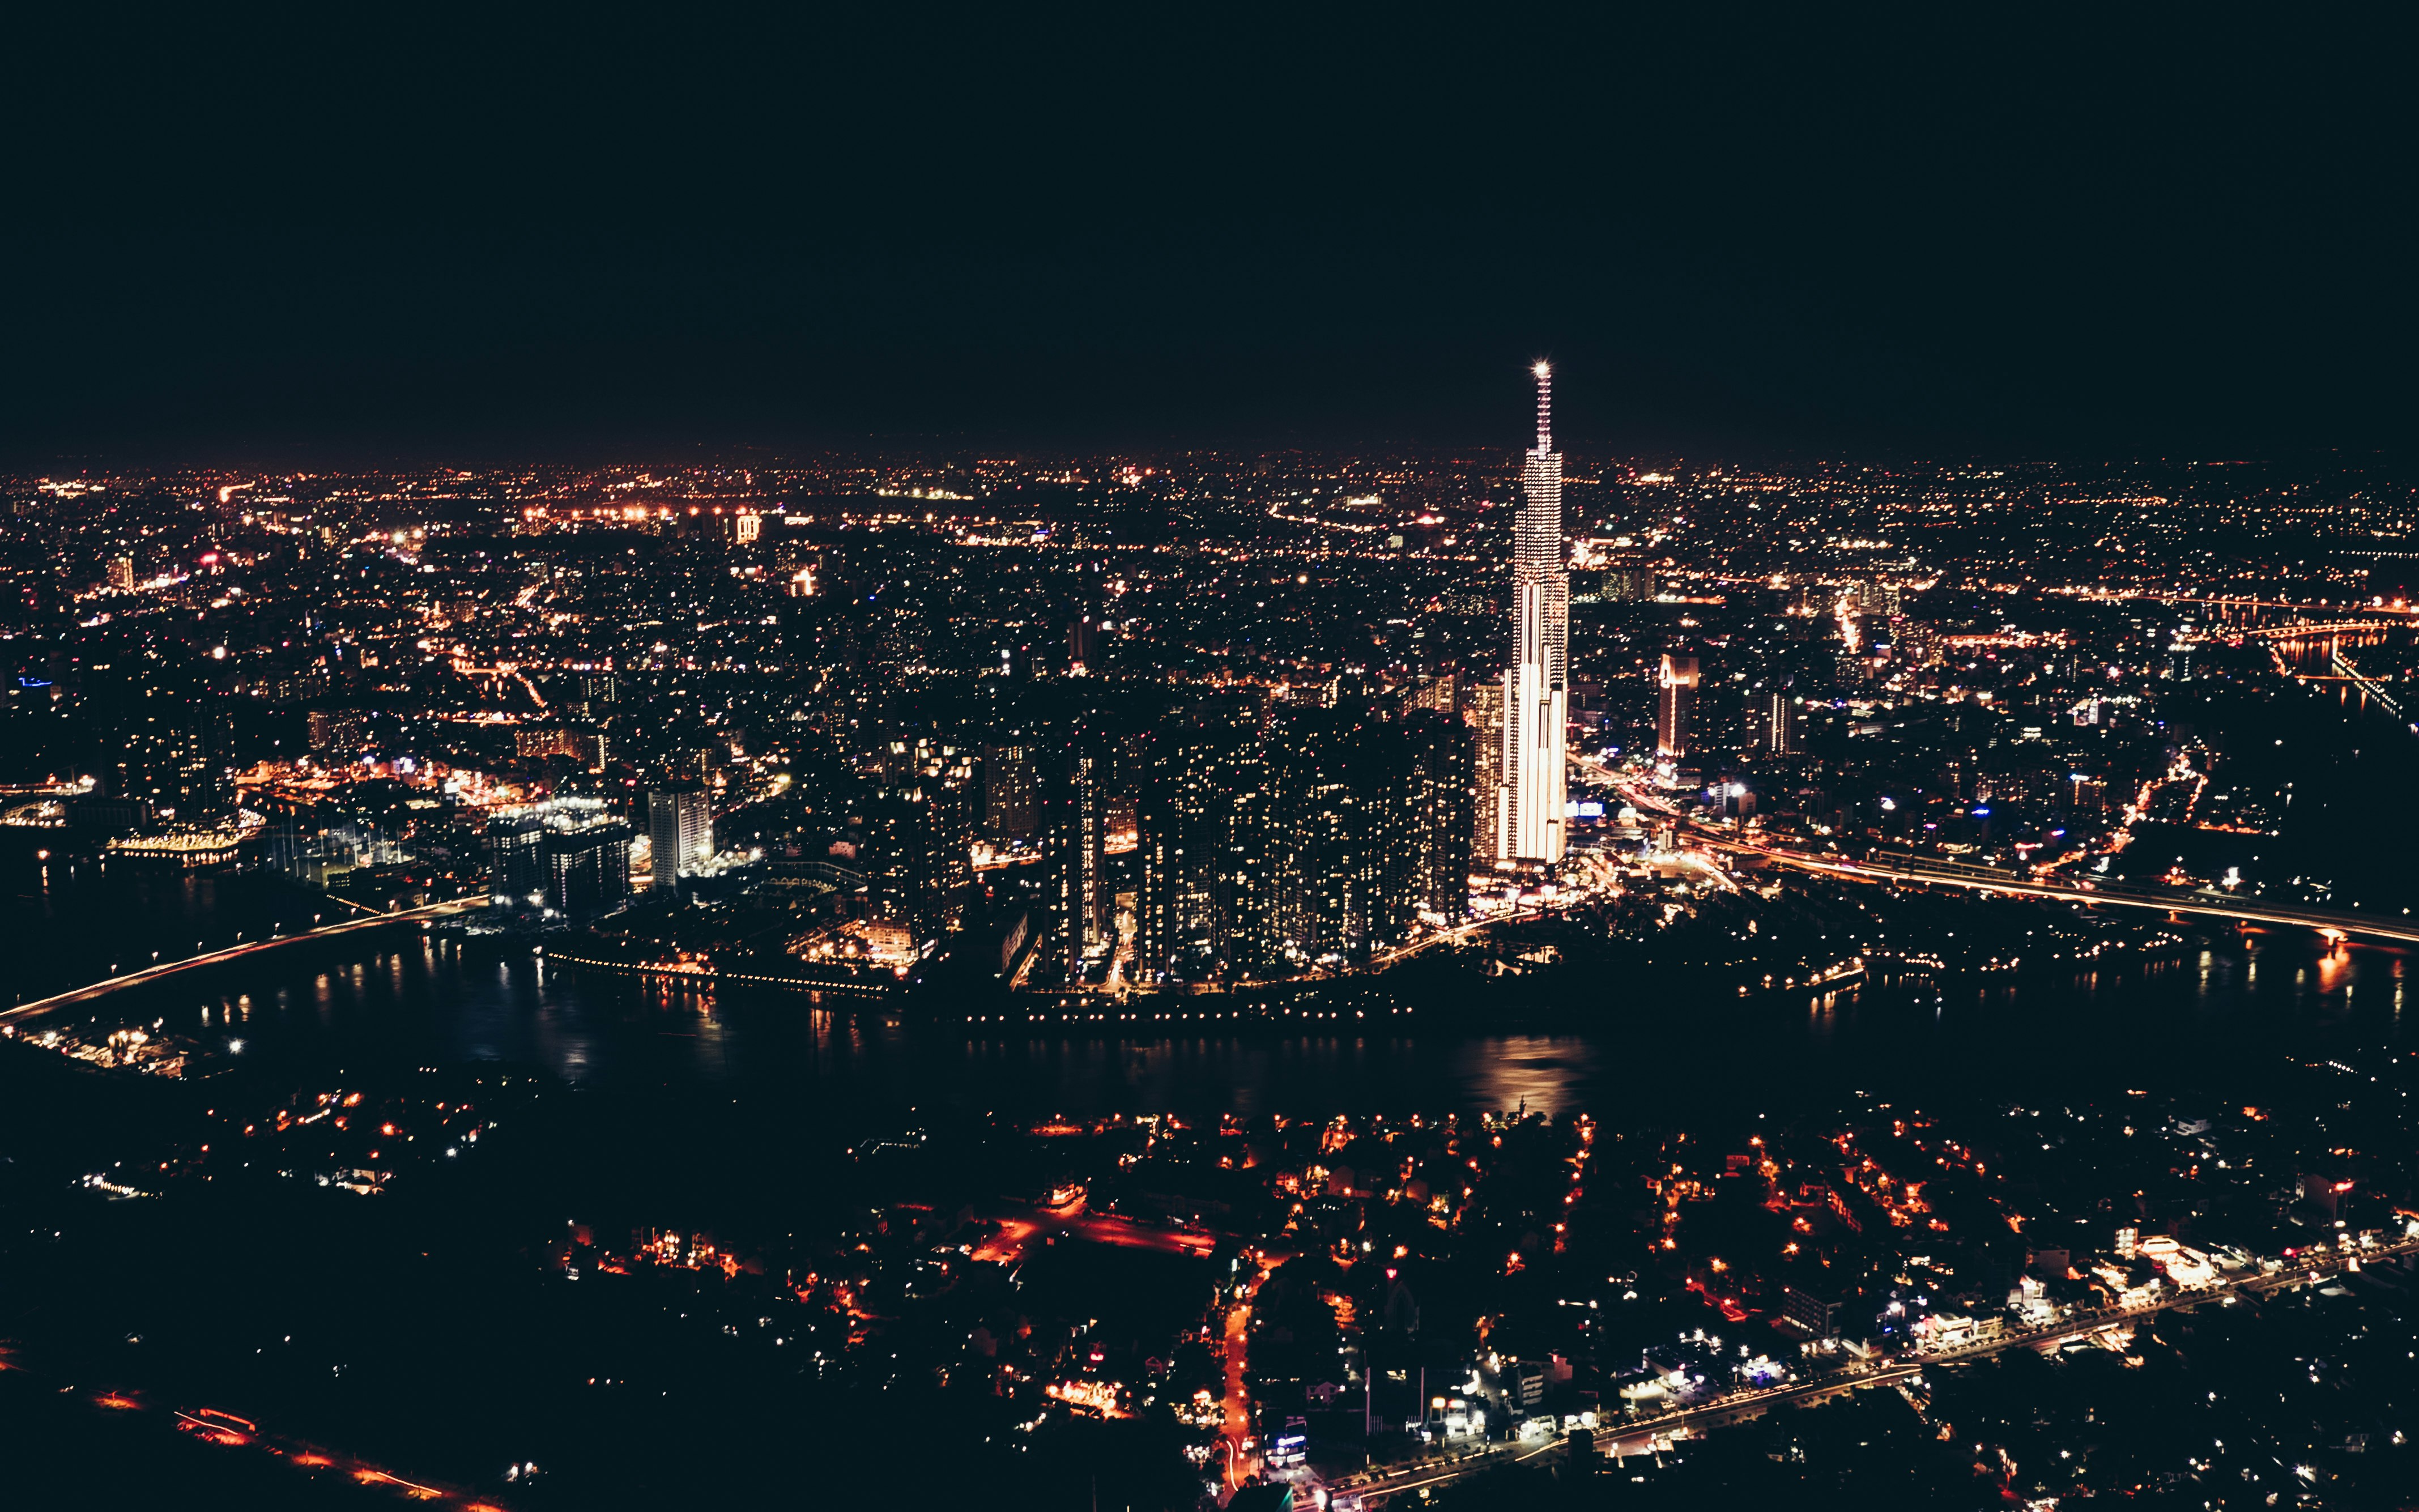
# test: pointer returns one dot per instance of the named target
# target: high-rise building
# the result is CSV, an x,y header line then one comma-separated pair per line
x,y
1184,800
588,869
1011,802
680,827
1675,705
1629,578
168,738
1917,644
1339,809
1328,840
1775,719
515,861
1536,685
1489,820
1436,690
336,733
576,863
1202,801
585,747
1177,870
121,574
1444,803
1083,644
914,859
1075,820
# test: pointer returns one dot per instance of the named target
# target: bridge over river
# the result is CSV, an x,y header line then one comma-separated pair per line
x,y
93,991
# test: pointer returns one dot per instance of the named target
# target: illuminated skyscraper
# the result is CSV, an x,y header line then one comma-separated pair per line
x,y
1775,719
679,826
1075,820
1675,705
1536,685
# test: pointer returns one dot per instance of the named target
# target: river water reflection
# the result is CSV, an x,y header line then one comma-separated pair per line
x,y
2210,1017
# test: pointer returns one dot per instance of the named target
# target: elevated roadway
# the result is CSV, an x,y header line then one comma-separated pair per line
x,y
93,991
2403,930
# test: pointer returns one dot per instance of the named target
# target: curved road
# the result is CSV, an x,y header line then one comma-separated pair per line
x,y
2405,931
234,952
2402,930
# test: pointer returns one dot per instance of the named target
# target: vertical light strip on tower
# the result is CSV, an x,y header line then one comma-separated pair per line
x,y
1536,685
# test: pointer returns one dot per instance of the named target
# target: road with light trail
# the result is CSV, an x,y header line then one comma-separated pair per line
x,y
1754,1403
235,952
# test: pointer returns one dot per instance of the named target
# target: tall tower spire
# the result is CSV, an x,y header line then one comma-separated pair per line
x,y
1530,823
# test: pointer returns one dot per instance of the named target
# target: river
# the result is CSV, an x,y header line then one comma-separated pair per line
x,y
2211,1016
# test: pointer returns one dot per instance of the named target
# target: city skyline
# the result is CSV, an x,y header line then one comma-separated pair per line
x,y
895,756
1032,957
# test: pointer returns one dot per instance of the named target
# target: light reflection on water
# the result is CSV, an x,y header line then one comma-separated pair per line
x,y
2199,1015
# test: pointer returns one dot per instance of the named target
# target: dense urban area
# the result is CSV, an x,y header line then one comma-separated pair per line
x,y
1263,751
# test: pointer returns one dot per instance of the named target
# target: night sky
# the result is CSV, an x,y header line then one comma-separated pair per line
x,y
413,235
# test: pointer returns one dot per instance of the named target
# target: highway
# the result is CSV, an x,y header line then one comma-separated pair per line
x,y
2405,931
2250,911
224,1429
233,953
1750,1403
1737,1406
1451,933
